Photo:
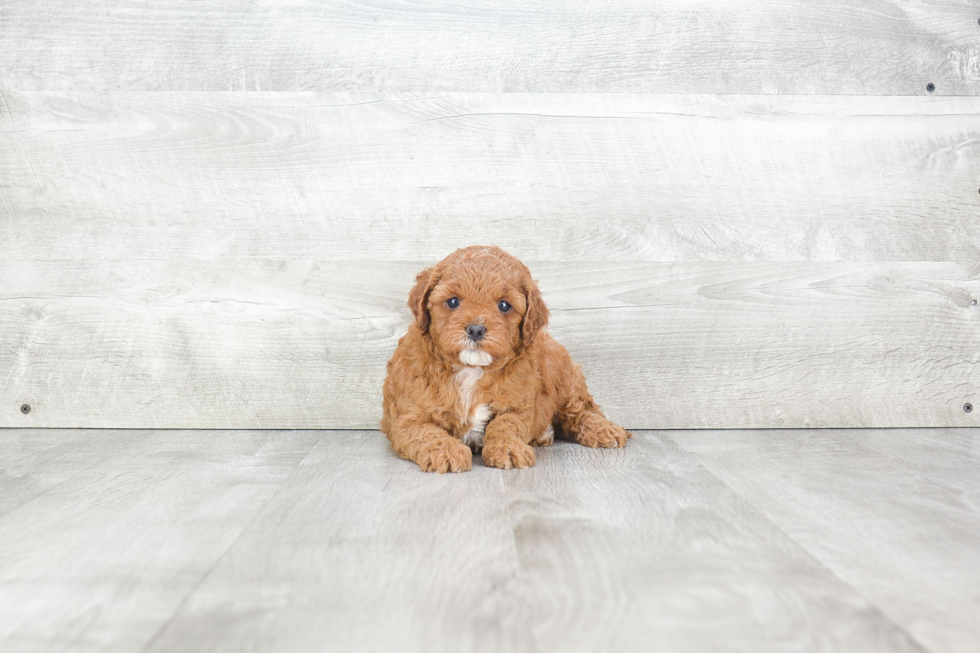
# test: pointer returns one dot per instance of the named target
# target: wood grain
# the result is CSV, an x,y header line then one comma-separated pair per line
x,y
860,512
309,541
104,557
564,177
588,551
296,344
35,461
358,551
241,260
947,458
868,47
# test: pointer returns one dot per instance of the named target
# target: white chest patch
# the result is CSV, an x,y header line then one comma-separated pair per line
x,y
477,416
478,426
466,380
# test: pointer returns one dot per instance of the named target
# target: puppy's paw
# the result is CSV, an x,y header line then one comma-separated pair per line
x,y
445,455
507,453
600,432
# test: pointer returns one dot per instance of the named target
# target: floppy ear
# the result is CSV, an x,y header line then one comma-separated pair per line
x,y
536,316
418,298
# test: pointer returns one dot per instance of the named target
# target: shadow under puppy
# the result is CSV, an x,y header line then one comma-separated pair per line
x,y
478,370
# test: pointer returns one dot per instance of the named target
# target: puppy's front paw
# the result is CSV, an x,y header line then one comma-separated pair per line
x,y
445,455
507,453
600,432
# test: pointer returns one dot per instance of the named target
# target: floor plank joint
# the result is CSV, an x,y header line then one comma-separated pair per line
x,y
152,541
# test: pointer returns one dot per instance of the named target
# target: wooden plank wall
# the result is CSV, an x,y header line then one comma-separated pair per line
x,y
750,215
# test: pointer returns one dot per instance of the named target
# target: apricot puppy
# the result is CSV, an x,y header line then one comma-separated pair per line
x,y
477,370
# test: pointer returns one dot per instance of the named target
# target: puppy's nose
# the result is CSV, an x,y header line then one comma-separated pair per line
x,y
476,331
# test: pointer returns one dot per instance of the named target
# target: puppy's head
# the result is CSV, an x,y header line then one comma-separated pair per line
x,y
479,306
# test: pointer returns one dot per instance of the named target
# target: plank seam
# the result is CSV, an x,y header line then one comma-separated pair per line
x,y
751,506
163,627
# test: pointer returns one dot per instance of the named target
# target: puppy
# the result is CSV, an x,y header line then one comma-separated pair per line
x,y
477,370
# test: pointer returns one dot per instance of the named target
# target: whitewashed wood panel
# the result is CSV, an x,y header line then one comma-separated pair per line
x,y
549,177
231,260
869,47
303,344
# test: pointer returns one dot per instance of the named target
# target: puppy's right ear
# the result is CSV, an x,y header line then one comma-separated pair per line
x,y
418,299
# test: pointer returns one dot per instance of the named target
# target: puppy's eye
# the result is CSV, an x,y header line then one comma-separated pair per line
x,y
503,306
453,302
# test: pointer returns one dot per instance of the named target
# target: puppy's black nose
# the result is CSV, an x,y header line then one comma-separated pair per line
x,y
476,331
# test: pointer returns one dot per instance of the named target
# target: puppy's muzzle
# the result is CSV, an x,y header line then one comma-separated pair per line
x,y
475,332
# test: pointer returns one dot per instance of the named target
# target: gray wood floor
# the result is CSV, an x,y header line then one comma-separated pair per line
x,y
114,540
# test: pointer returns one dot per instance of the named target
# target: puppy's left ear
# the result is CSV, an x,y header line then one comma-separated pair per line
x,y
536,316
418,298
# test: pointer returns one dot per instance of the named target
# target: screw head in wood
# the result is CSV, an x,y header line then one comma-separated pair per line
x,y
974,302
930,87
967,408
26,408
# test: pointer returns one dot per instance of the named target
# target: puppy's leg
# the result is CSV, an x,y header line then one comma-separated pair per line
x,y
580,417
505,443
431,447
545,438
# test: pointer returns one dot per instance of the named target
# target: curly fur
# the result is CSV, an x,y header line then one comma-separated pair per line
x,y
446,396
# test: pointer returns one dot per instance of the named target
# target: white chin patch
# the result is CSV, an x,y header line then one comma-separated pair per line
x,y
475,357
